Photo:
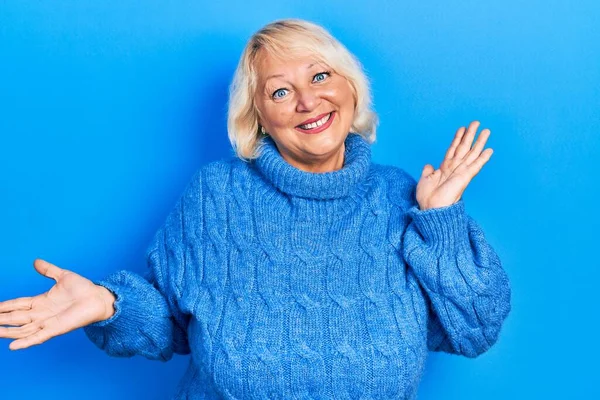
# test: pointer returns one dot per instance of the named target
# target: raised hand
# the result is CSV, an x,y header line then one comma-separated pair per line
x,y
444,186
73,302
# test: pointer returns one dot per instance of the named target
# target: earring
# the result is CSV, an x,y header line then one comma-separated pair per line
x,y
262,130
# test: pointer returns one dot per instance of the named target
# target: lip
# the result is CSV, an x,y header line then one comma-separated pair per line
x,y
320,128
315,119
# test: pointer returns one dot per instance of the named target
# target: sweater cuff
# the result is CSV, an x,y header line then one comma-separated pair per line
x,y
442,227
133,296
118,304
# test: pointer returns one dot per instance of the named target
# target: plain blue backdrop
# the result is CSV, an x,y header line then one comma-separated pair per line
x,y
107,108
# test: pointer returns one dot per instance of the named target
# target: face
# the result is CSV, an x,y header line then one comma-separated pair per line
x,y
307,108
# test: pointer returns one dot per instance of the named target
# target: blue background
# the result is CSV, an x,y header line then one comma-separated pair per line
x,y
107,108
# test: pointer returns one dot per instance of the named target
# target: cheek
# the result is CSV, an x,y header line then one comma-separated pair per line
x,y
279,115
341,95
349,97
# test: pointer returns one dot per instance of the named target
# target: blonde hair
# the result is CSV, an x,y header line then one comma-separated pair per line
x,y
284,38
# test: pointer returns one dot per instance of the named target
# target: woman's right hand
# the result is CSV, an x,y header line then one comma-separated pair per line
x,y
73,302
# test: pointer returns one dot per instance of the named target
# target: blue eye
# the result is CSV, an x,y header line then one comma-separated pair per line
x,y
279,93
320,76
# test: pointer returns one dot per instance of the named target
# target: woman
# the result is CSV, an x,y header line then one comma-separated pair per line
x,y
299,269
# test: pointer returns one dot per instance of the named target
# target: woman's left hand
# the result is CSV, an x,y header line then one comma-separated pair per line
x,y
444,186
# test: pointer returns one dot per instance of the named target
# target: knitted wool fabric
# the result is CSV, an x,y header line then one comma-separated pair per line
x,y
285,284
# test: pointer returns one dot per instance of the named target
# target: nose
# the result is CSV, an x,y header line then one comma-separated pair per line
x,y
308,99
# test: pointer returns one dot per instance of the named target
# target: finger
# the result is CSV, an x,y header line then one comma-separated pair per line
x,y
23,303
48,329
467,140
474,168
427,170
20,332
457,137
478,147
47,269
16,318
65,321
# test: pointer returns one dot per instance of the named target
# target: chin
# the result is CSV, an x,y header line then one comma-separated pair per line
x,y
324,146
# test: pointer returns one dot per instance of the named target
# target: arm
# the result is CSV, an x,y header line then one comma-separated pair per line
x,y
467,290
147,319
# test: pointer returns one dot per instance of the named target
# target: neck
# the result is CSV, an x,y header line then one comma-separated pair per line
x,y
323,186
317,165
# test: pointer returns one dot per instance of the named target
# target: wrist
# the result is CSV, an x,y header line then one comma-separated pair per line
x,y
108,301
439,205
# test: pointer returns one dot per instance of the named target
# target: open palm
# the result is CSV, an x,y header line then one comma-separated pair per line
x,y
444,186
71,303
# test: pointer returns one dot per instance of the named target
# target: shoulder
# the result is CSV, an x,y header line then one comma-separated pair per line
x,y
221,175
393,174
215,170
399,185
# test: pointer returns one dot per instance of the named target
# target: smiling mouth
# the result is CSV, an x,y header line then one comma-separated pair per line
x,y
319,125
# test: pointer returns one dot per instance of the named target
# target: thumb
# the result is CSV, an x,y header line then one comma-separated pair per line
x,y
47,269
427,170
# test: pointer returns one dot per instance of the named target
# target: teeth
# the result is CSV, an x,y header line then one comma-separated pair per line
x,y
316,124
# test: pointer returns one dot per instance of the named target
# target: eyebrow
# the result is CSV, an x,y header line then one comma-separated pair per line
x,y
282,75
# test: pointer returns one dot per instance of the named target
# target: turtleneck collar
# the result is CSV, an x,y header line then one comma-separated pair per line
x,y
326,185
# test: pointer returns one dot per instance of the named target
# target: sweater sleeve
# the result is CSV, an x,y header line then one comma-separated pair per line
x,y
148,320
468,292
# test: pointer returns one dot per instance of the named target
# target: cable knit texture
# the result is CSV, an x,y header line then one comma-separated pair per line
x,y
285,284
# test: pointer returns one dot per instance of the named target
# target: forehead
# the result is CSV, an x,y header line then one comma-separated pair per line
x,y
268,63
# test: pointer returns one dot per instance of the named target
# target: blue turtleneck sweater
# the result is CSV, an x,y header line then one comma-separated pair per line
x,y
285,284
